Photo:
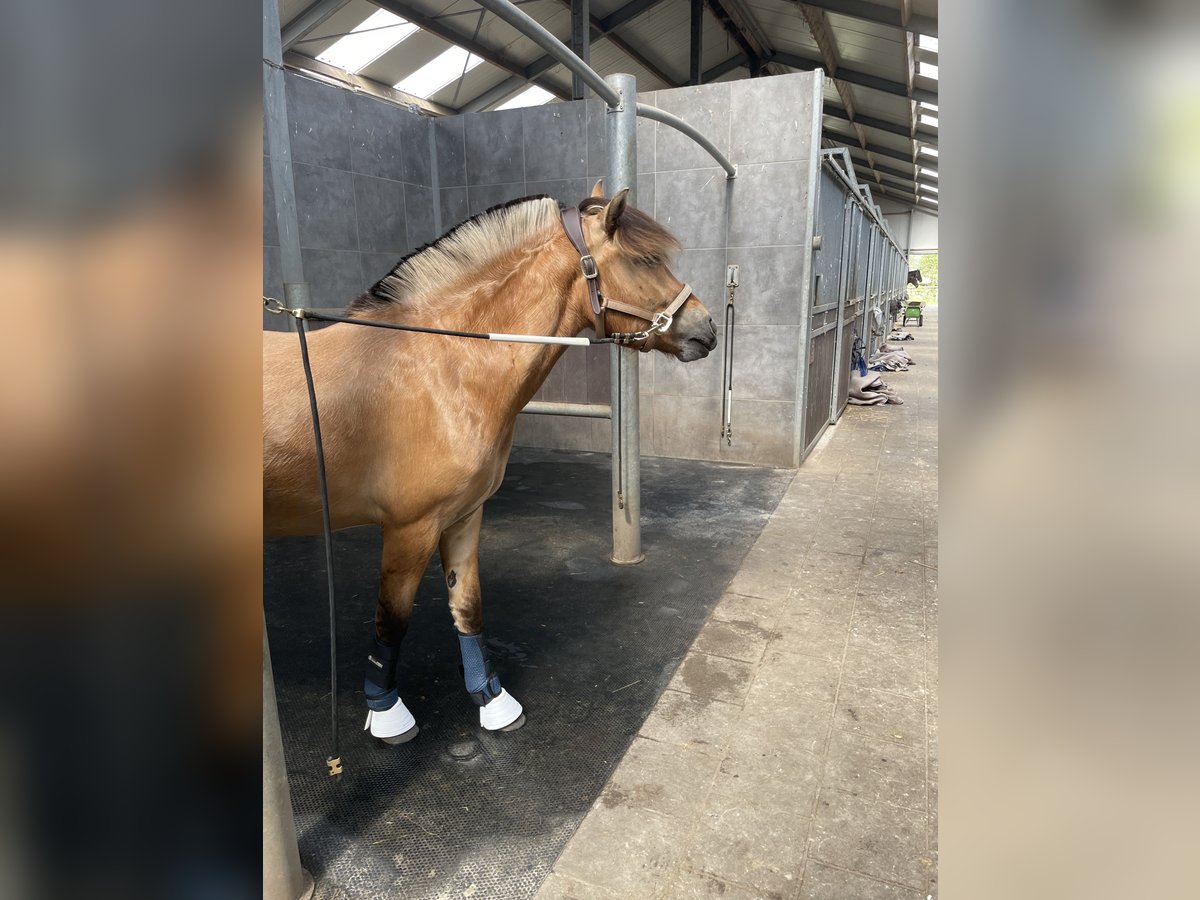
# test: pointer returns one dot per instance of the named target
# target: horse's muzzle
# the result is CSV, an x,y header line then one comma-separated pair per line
x,y
696,339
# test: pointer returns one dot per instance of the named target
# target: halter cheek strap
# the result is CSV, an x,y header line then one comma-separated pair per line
x,y
573,226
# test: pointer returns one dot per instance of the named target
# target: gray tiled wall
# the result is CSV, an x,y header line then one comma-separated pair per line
x,y
363,175
365,184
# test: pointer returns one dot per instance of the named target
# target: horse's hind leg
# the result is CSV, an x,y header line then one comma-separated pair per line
x,y
459,548
406,552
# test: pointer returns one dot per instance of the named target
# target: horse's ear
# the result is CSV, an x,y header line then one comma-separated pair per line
x,y
596,190
612,212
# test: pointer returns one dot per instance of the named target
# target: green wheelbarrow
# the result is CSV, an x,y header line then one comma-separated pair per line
x,y
913,312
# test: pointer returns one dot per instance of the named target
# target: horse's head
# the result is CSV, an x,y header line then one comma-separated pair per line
x,y
631,251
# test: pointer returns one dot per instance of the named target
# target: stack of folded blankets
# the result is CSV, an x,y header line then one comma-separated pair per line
x,y
890,359
871,390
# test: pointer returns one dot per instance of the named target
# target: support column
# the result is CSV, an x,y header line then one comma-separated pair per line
x,y
697,36
581,43
283,877
626,421
279,147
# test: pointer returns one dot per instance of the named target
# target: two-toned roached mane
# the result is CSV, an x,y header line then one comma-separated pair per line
x,y
417,428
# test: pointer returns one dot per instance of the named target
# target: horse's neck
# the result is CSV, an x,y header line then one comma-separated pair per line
x,y
539,292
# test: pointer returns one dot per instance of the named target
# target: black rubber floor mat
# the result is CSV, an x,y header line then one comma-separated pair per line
x,y
586,646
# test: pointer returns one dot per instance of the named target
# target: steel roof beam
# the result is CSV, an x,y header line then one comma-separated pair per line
x,y
924,137
312,17
880,15
862,79
487,54
877,149
602,30
734,62
755,60
626,13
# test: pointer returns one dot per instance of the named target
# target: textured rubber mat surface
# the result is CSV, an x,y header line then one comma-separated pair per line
x,y
586,646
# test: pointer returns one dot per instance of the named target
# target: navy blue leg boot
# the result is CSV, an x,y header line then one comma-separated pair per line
x,y
498,709
388,718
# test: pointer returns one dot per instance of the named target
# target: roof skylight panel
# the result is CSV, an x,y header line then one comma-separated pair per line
x,y
370,39
531,96
438,72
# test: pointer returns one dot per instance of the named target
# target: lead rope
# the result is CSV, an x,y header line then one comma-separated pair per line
x,y
334,760
731,283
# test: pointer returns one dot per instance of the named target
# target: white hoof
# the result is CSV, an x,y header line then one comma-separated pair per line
x,y
394,726
501,712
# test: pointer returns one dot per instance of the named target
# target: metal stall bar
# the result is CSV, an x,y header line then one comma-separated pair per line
x,y
624,361
660,115
537,33
279,146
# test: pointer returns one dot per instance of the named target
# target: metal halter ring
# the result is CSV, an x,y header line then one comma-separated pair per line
x,y
661,323
272,305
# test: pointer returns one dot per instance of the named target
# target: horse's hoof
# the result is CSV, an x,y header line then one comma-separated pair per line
x,y
392,726
502,713
399,738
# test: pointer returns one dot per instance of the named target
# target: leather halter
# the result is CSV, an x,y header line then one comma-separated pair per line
x,y
659,321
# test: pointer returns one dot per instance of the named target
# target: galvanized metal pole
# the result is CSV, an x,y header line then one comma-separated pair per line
x,y
283,877
279,146
627,445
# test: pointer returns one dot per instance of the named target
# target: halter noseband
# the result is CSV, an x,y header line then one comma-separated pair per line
x,y
659,321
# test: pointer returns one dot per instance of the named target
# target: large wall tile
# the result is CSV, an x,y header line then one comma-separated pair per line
x,y
325,206
495,147
705,108
763,433
319,118
272,275
772,118
449,135
555,141
375,266
334,277
418,210
771,281
381,217
481,198
769,205
454,207
700,378
378,137
692,205
685,427
765,362
568,192
418,165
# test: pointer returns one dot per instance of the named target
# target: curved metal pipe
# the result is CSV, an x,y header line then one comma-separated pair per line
x,y
534,30
659,115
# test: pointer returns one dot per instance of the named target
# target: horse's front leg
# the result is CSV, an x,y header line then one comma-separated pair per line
x,y
459,548
406,552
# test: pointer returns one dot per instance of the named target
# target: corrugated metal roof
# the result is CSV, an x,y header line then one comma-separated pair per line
x,y
862,43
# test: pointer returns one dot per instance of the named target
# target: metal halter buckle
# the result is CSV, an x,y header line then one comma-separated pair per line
x,y
661,323
588,266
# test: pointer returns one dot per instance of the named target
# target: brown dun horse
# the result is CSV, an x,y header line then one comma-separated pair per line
x,y
417,428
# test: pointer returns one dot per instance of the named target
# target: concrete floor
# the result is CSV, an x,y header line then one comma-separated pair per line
x,y
794,754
